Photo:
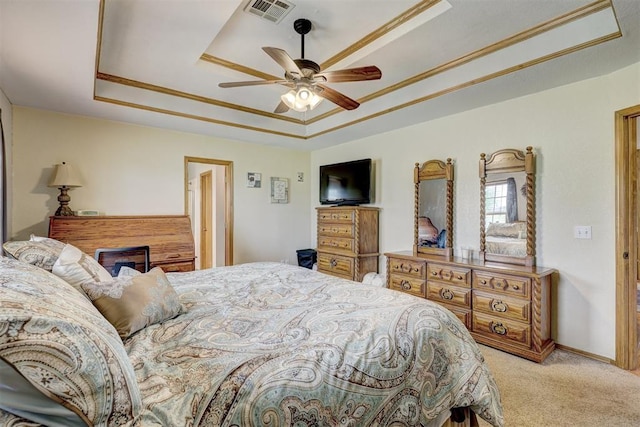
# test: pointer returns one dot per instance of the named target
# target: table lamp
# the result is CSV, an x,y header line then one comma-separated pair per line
x,y
64,177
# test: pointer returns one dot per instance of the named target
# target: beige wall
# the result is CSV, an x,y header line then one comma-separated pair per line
x,y
571,130
129,169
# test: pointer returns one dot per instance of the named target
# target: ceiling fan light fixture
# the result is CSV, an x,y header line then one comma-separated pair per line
x,y
301,99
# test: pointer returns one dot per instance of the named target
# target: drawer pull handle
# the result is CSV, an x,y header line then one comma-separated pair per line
x,y
459,277
446,294
434,273
498,328
499,306
333,263
405,285
483,282
516,287
416,269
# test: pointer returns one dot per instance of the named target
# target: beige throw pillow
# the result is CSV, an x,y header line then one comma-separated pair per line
x,y
131,303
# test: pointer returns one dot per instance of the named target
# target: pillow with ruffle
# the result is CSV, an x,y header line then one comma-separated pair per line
x,y
76,268
57,340
131,303
39,251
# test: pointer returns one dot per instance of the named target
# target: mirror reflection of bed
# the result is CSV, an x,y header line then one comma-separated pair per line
x,y
432,213
505,214
433,208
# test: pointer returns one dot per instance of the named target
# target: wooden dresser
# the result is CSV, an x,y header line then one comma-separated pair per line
x,y
504,306
348,241
169,237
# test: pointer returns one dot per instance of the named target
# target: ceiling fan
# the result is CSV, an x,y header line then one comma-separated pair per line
x,y
305,78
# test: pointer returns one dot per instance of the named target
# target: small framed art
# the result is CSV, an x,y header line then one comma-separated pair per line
x,y
254,179
279,190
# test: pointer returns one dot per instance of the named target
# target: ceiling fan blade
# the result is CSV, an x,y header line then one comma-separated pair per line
x,y
253,83
336,97
281,108
283,58
370,72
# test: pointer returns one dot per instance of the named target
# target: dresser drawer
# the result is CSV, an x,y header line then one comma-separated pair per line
x,y
175,267
463,314
343,215
503,283
336,264
501,329
338,230
447,294
453,275
411,268
331,243
409,285
509,308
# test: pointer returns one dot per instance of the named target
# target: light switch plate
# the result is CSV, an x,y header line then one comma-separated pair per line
x,y
582,232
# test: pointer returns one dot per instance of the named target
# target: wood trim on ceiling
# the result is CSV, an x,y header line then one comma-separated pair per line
x,y
510,41
468,84
396,22
424,5
237,67
194,117
172,92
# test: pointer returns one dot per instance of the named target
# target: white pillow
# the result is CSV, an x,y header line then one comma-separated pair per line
x,y
77,268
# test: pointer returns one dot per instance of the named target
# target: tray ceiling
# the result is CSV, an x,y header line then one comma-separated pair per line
x,y
159,63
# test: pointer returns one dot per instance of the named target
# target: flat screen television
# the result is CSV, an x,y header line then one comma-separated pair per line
x,y
347,183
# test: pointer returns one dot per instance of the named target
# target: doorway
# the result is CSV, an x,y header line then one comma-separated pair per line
x,y
207,230
627,229
209,204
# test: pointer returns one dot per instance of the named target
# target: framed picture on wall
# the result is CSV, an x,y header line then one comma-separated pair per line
x,y
254,179
279,190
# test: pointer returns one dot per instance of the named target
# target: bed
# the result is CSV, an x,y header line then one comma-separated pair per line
x,y
258,344
507,239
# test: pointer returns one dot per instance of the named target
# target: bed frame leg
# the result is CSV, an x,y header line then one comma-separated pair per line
x,y
462,417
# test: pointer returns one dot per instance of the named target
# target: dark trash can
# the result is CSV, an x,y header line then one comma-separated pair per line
x,y
306,257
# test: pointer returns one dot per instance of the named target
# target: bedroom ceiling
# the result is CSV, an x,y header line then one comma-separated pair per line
x,y
159,63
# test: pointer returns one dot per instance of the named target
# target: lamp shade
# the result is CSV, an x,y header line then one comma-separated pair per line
x,y
64,176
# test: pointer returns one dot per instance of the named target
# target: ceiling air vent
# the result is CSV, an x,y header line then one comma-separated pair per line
x,y
271,10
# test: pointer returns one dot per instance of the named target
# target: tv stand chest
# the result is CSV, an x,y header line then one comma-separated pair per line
x,y
348,241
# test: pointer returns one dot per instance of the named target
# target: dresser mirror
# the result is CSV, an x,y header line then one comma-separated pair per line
x,y
433,216
507,207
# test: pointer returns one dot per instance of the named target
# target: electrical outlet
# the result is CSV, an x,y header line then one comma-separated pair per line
x,y
582,232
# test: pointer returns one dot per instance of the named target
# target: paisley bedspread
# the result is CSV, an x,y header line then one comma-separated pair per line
x,y
269,344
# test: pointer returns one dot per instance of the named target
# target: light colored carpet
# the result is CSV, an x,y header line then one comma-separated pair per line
x,y
566,390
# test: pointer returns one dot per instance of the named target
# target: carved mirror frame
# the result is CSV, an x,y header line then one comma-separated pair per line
x,y
509,161
434,169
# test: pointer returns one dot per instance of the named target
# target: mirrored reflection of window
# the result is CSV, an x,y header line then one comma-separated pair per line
x,y
495,202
